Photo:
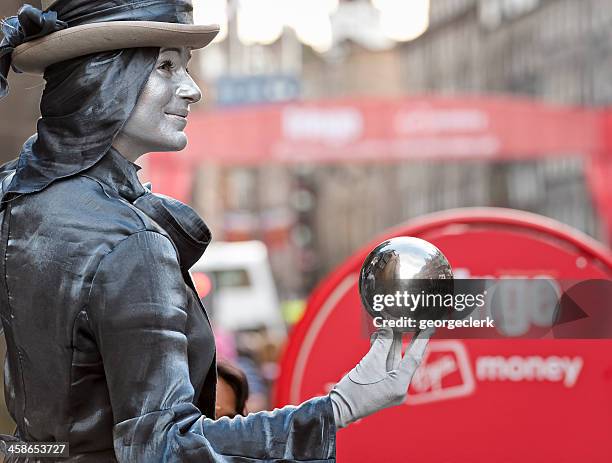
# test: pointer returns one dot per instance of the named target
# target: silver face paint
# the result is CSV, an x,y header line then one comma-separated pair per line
x,y
160,116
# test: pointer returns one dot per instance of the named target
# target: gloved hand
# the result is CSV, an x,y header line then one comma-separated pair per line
x,y
381,378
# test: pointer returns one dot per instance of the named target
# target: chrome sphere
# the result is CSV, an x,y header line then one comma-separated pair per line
x,y
400,271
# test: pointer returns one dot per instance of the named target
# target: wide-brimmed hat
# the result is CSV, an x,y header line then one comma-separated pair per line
x,y
66,29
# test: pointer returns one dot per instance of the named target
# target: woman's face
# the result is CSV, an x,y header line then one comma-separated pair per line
x,y
160,116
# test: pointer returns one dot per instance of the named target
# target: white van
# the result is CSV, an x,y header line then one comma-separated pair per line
x,y
243,294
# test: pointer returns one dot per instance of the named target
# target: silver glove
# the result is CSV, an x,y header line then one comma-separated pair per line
x,y
381,378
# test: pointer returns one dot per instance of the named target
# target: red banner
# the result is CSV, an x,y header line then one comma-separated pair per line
x,y
383,129
473,400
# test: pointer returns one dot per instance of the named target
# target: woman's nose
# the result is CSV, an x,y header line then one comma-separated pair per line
x,y
189,90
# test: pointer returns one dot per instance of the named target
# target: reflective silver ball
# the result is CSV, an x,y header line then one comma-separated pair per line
x,y
400,267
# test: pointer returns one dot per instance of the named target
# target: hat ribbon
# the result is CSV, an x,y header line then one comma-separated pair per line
x,y
29,24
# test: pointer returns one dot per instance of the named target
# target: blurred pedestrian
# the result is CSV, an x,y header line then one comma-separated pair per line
x,y
232,390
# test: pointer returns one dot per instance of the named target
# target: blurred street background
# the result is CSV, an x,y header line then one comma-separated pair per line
x,y
330,73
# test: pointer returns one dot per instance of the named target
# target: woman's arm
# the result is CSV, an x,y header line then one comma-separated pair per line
x,y
137,311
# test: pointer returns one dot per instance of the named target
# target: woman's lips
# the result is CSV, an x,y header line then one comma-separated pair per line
x,y
178,117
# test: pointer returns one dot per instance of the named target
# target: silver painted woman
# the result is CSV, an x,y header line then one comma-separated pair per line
x,y
108,345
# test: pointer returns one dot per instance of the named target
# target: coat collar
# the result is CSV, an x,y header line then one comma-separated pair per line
x,y
118,174
180,222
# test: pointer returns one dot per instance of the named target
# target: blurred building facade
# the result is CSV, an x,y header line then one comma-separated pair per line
x,y
551,50
554,50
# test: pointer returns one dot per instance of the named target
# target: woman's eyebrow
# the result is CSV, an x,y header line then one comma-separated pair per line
x,y
178,50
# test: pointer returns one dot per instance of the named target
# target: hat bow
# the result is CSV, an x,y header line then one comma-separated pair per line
x,y
29,24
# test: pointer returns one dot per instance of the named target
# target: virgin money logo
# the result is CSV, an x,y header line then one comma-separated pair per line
x,y
445,373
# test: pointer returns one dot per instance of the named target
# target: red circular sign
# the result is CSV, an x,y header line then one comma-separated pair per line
x,y
472,400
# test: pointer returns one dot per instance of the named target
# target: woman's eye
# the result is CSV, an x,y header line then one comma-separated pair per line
x,y
167,65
